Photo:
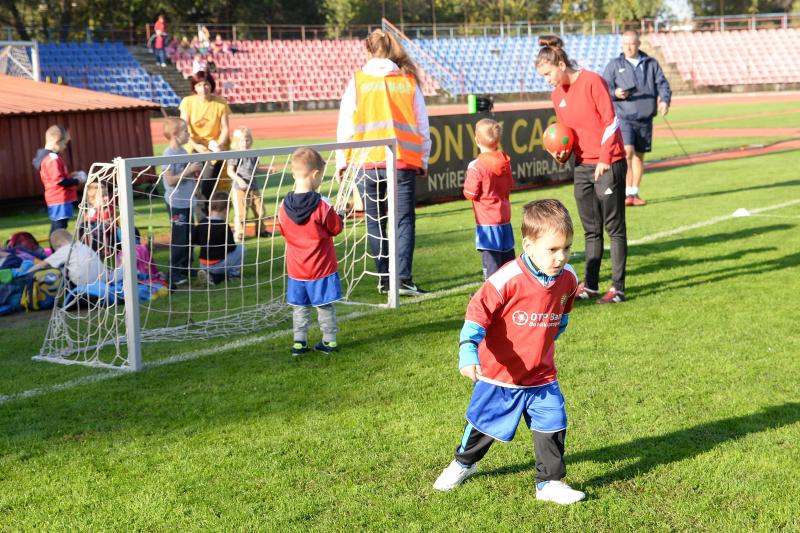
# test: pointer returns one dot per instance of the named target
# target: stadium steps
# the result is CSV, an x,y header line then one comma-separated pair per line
x,y
172,76
676,81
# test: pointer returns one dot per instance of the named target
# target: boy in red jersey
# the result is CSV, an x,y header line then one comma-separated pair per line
x,y
60,187
488,185
507,347
309,223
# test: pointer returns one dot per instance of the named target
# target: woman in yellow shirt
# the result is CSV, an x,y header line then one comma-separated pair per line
x,y
206,116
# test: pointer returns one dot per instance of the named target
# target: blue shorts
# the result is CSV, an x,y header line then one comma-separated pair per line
x,y
637,133
315,292
496,411
60,211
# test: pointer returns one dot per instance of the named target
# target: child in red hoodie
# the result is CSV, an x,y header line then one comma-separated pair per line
x,y
308,222
60,187
488,184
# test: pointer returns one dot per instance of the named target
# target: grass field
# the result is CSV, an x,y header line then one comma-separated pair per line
x,y
683,402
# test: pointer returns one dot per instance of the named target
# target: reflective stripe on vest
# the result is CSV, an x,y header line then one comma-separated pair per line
x,y
385,109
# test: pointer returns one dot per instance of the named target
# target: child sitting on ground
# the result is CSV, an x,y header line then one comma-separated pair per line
x,y
246,189
488,184
507,346
309,223
83,265
180,181
60,187
220,256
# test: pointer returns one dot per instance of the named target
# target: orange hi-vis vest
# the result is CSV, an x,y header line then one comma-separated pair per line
x,y
385,109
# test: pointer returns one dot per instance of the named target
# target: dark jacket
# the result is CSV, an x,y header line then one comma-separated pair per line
x,y
641,104
299,207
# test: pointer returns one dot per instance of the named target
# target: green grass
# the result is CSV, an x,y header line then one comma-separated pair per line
x,y
689,112
683,402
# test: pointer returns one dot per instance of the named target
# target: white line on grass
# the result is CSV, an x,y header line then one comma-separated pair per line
x,y
242,343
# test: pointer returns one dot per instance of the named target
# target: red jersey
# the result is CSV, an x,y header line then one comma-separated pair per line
x,y
51,171
488,184
521,318
310,254
159,26
585,106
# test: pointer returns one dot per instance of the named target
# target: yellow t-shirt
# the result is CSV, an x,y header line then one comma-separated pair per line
x,y
205,117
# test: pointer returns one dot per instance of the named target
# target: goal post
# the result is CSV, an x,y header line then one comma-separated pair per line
x,y
21,59
124,218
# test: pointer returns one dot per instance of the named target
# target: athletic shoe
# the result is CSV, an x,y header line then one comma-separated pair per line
x,y
299,348
613,296
203,278
407,288
178,282
327,347
638,201
453,476
558,492
629,201
584,293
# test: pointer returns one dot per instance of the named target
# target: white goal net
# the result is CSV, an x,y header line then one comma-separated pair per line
x,y
149,283
20,59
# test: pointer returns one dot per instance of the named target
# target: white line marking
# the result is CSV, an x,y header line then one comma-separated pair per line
x,y
241,343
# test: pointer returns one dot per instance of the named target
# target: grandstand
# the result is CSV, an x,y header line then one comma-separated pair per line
x,y
287,70
104,67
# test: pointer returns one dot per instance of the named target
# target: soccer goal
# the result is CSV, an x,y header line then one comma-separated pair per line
x,y
147,285
20,58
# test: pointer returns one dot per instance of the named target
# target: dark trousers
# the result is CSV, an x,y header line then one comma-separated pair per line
x,y
208,184
376,205
601,204
493,260
548,448
58,224
161,55
180,253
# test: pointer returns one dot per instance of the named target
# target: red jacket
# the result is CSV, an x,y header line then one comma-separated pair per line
x,y
310,254
585,106
52,170
488,184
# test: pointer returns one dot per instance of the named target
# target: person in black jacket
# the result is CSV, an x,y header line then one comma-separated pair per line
x,y
220,256
638,89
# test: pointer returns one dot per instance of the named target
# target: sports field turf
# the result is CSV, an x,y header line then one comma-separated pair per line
x,y
683,402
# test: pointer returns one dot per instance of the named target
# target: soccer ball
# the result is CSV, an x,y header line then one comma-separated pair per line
x,y
557,138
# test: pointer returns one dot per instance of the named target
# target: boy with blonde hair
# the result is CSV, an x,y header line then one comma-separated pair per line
x,y
60,186
507,346
309,223
488,184
180,182
246,188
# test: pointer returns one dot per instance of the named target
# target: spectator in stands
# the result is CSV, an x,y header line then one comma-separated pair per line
x,y
372,109
203,40
206,116
185,48
639,89
582,102
199,64
220,257
160,28
60,187
219,46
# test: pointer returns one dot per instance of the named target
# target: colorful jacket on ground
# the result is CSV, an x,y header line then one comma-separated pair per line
x,y
59,188
517,315
309,223
488,184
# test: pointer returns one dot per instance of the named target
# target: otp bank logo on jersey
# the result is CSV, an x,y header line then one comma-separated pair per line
x,y
535,320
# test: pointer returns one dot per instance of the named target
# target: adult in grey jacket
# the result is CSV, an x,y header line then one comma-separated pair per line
x,y
638,90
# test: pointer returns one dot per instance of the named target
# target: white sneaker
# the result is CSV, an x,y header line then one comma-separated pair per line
x,y
453,476
558,492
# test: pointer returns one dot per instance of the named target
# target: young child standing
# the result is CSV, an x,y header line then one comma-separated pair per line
x,y
507,347
309,223
180,182
488,184
60,187
220,256
246,189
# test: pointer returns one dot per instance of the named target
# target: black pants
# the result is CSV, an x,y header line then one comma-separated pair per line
x,y
493,260
58,224
208,185
548,447
602,203
180,253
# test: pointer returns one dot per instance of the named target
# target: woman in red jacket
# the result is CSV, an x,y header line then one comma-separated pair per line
x,y
582,102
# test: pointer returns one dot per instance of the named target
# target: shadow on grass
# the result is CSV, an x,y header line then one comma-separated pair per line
x,y
651,452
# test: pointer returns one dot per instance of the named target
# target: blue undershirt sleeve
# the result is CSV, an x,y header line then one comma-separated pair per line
x,y
563,325
471,336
